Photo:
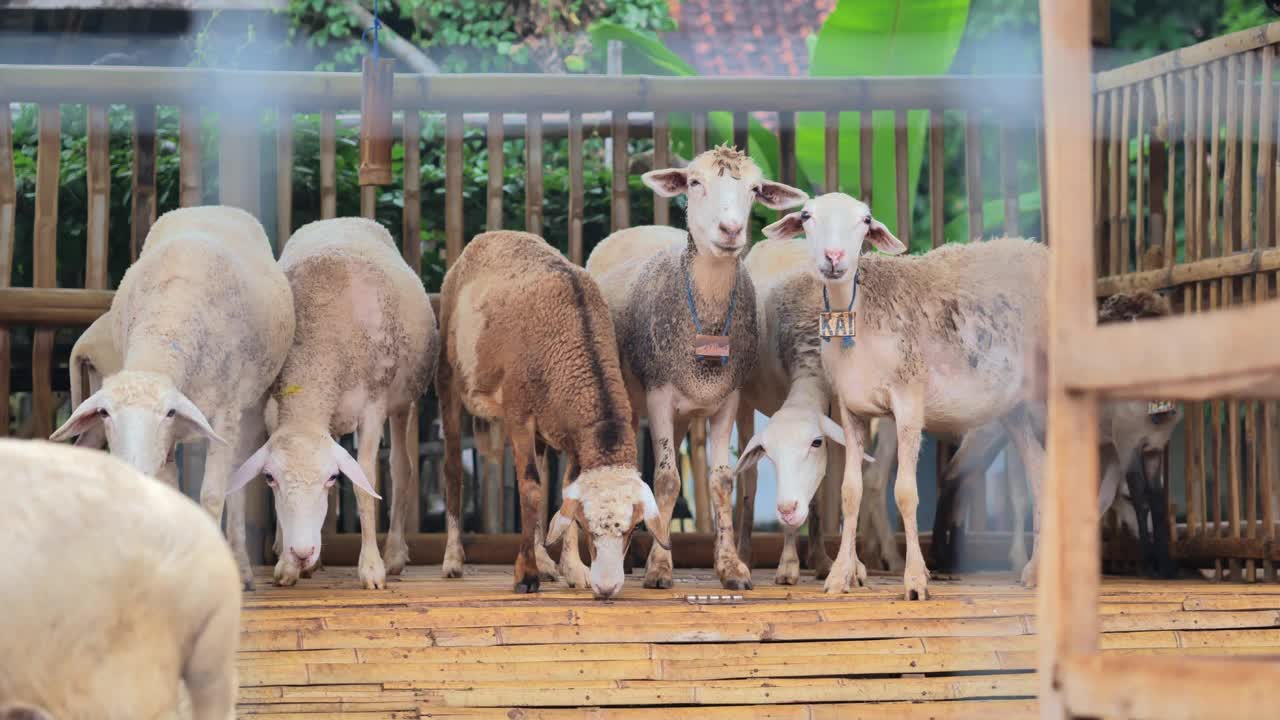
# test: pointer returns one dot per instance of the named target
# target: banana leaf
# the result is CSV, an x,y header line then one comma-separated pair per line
x,y
878,38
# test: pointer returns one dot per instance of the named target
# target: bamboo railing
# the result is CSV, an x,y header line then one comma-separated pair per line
x,y
998,117
1191,136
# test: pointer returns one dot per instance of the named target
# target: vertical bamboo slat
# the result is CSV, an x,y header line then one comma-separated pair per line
x,y
937,171
900,174
453,229
973,174
741,131
1119,172
662,159
1197,166
369,201
191,192
1009,182
866,141
8,218
98,182
533,190
411,248
1121,211
328,166
1101,158
576,190
699,133
1246,160
1140,214
621,201
1266,176
831,155
497,160
786,147
1230,184
1216,247
701,486
44,261
1040,166
284,176
143,211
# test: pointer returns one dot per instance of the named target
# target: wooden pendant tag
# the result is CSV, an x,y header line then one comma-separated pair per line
x,y
711,347
1159,407
834,324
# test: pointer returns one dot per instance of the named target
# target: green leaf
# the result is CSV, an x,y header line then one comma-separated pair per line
x,y
642,53
992,218
871,38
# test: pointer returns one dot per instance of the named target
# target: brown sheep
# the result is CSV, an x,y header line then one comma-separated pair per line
x,y
527,340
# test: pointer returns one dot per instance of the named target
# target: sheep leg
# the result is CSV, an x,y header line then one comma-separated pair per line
x,y
818,559
451,425
1032,454
847,572
572,569
788,572
877,517
403,492
524,453
209,672
221,460
746,510
546,566
666,481
908,416
373,574
734,574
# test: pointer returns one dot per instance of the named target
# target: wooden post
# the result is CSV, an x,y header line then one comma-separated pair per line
x,y
577,192
240,185
1069,544
144,175
701,480
98,182
533,190
8,216
284,176
44,265
189,178
328,166
411,247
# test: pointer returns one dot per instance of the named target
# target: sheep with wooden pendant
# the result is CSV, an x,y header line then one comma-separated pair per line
x,y
943,341
685,312
364,350
527,339
202,323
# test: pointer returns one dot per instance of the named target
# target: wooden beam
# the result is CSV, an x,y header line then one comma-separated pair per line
x,y
1068,544
1214,268
1171,688
1188,57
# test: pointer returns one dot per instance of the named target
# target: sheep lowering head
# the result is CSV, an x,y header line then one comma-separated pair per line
x,y
142,414
609,503
721,184
300,467
796,441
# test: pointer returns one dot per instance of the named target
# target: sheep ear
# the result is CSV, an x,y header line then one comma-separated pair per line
x,y
667,183
351,469
883,240
750,455
653,518
251,469
788,227
84,419
831,429
777,196
562,519
191,415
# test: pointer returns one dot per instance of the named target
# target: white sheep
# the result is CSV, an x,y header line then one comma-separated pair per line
x,y
672,291
790,386
202,320
365,349
117,591
940,341
527,339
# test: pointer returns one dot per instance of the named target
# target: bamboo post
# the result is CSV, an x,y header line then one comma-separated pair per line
x,y
497,160
937,171
1121,210
973,174
328,166
741,130
829,490
701,480
904,191
8,217
143,211
577,192
662,159
453,229
831,158
866,141
98,184
190,182
44,265
239,185
621,201
284,176
411,248
1069,543
533,190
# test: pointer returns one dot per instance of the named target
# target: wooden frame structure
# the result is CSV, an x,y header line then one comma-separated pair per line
x,y
998,117
1230,353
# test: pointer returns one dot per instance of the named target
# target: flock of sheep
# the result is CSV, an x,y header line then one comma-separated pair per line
x,y
209,336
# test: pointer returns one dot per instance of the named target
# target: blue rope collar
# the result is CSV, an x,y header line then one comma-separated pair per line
x,y
846,342
377,23
693,309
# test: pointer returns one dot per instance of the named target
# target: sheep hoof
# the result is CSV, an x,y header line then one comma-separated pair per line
x,y
917,584
373,574
658,581
546,566
453,561
395,557
575,574
528,584
786,577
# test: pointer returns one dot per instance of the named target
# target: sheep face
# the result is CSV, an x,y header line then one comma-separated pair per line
x,y
836,227
142,415
608,503
300,466
721,184
796,441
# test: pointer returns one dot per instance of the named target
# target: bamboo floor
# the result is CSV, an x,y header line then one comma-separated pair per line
x,y
433,648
